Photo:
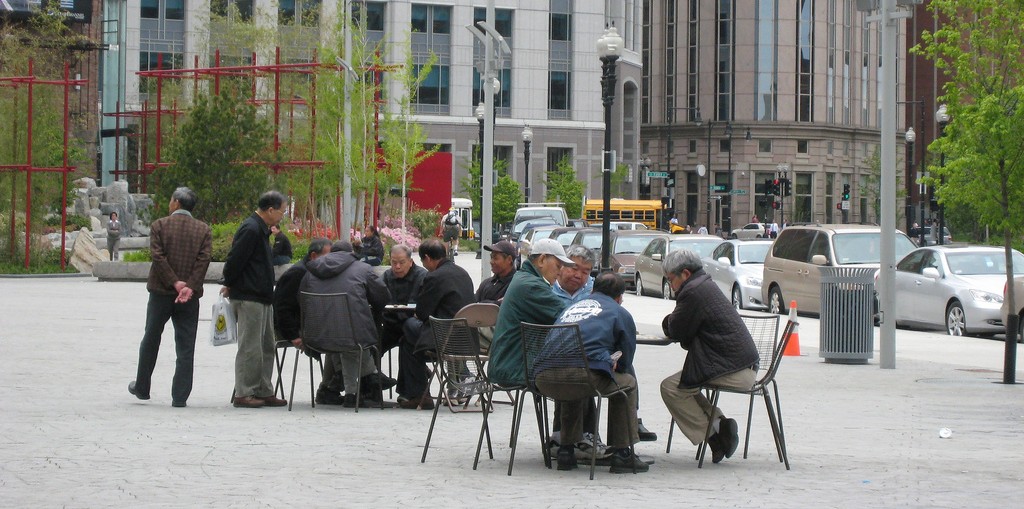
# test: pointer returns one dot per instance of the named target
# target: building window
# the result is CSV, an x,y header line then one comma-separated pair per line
x,y
299,12
670,61
150,9
434,19
174,9
802,198
802,146
222,8
555,156
434,89
559,86
725,145
374,15
830,203
152,60
767,60
645,70
692,58
692,197
504,97
831,54
764,146
692,146
805,62
560,60
725,60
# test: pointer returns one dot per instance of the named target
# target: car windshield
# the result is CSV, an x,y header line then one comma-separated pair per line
x,y
861,248
631,244
701,247
976,264
531,222
591,240
753,253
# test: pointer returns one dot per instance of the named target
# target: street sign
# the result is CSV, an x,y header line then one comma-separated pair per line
x,y
657,174
738,191
846,205
718,189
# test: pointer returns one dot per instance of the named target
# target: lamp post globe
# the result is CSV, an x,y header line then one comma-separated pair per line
x,y
609,48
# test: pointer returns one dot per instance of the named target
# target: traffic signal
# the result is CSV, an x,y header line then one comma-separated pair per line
x,y
846,192
775,205
786,187
767,187
776,188
671,180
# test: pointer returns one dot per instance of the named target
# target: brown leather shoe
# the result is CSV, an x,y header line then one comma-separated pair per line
x,y
424,402
247,402
273,401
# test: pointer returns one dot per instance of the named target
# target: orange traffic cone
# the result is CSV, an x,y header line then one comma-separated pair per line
x,y
793,346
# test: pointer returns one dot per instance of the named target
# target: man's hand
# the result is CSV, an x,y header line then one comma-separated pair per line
x,y
224,291
184,292
297,343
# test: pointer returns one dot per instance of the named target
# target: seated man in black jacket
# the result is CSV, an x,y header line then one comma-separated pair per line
x,y
719,348
287,314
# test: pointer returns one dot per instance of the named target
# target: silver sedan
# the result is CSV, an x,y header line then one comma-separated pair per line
x,y
956,288
736,267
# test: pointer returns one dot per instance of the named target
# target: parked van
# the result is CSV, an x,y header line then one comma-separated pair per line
x,y
533,215
792,267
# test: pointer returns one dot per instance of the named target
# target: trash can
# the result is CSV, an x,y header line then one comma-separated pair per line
x,y
846,323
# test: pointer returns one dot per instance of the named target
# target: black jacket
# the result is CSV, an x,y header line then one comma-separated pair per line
x,y
373,248
287,314
445,291
493,288
249,269
711,330
341,272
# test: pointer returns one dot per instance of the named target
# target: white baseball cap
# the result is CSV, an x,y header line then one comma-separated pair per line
x,y
550,247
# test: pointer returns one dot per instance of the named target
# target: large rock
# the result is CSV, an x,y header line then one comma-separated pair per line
x,y
85,183
117,192
95,224
85,254
81,205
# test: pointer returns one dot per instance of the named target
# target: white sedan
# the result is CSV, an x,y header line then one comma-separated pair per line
x,y
749,231
736,267
955,288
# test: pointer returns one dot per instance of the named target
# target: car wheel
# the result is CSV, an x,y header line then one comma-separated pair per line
x,y
639,286
666,290
775,301
737,298
956,322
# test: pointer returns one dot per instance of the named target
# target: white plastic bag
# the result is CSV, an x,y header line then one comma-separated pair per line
x,y
222,323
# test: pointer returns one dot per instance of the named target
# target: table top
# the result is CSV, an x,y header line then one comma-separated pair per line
x,y
653,339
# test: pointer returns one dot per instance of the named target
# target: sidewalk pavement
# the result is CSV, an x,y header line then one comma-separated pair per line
x,y
858,436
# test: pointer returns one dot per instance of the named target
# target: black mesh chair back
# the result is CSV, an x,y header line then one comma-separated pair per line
x,y
326,328
559,349
460,370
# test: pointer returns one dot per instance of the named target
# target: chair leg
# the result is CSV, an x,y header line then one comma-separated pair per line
x,y
777,431
593,444
295,371
517,417
750,417
515,407
484,430
703,447
430,432
280,354
541,409
671,428
232,400
312,386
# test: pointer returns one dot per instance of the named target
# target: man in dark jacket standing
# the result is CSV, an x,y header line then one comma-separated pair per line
x,y
446,289
180,246
249,282
341,272
719,348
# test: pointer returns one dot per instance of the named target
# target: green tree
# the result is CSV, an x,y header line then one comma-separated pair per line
x,y
505,196
872,189
619,179
220,150
563,186
978,47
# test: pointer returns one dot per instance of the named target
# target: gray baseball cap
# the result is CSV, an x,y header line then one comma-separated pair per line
x,y
551,247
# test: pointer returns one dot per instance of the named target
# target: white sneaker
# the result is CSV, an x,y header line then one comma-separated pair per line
x,y
584,447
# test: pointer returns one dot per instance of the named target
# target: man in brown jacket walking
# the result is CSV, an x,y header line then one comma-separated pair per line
x,y
180,248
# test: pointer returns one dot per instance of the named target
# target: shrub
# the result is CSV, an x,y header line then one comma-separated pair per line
x,y
142,255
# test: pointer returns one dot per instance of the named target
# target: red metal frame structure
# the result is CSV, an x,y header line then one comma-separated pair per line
x,y
30,81
215,73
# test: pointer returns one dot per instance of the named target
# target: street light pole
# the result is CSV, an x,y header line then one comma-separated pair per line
x,y
481,110
527,141
942,116
707,224
609,48
728,132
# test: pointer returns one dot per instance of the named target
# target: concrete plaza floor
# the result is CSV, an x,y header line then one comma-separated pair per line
x,y
858,435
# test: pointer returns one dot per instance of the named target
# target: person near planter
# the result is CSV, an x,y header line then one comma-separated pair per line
x,y
113,235
372,251
180,247
282,247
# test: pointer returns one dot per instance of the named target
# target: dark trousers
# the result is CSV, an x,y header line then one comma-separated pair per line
x,y
185,318
413,377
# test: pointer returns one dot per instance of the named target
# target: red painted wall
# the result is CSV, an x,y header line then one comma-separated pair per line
x,y
431,186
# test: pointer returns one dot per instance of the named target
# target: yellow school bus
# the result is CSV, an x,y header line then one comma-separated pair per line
x,y
647,212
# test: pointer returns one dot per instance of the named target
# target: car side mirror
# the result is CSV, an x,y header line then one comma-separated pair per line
x,y
819,260
723,260
656,257
931,272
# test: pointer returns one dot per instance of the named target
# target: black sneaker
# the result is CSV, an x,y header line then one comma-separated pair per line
x,y
717,450
324,397
567,458
730,437
623,462
645,434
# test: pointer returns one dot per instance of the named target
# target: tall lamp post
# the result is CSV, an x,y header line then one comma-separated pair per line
x,y
942,117
609,48
481,110
728,132
527,141
910,136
